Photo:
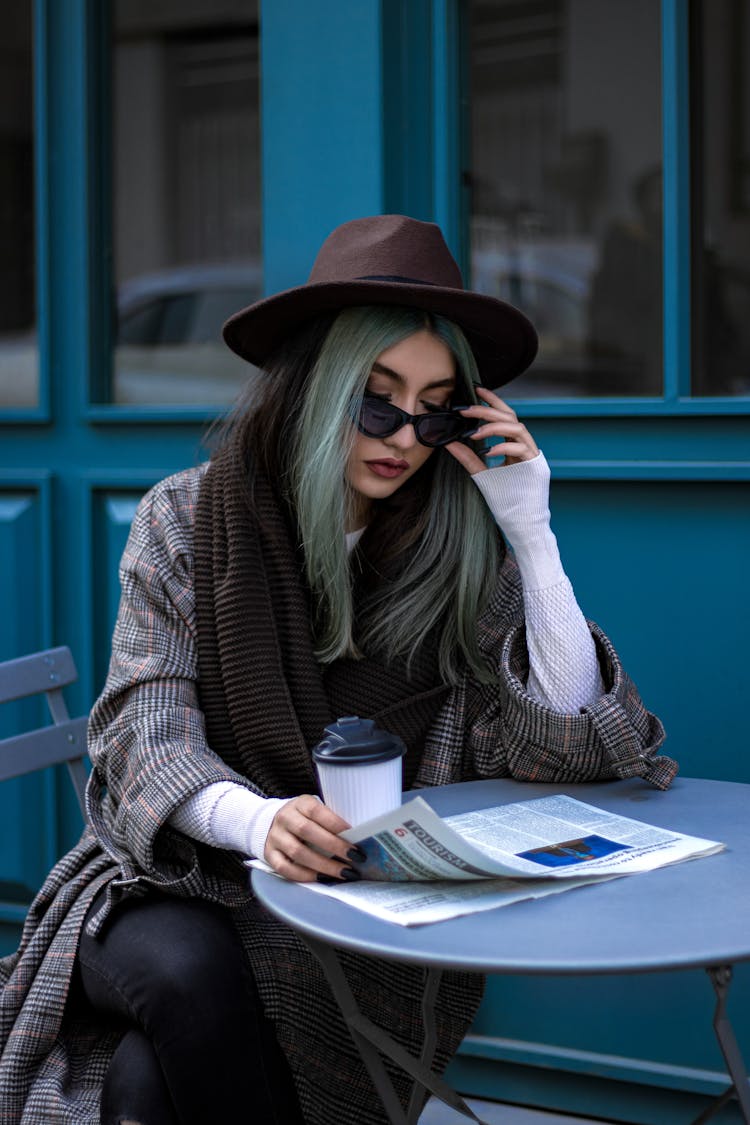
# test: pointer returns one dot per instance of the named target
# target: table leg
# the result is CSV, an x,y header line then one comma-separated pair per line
x,y
371,1040
429,996
715,1106
721,979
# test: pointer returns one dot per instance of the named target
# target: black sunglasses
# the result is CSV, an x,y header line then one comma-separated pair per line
x,y
379,418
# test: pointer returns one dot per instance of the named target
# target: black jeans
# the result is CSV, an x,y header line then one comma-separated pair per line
x,y
198,1048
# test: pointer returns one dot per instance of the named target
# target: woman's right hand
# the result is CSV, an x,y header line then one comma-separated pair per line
x,y
302,837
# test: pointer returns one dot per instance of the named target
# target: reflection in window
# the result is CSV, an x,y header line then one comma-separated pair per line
x,y
19,377
721,146
186,196
566,186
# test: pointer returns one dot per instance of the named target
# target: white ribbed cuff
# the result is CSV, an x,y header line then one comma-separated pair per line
x,y
193,817
241,820
259,825
518,498
226,815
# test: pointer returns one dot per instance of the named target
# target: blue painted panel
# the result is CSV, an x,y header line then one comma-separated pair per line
x,y
579,1093
367,122
322,128
641,1044
20,573
601,443
407,77
27,820
662,567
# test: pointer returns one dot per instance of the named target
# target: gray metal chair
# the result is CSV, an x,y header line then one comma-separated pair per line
x,y
44,673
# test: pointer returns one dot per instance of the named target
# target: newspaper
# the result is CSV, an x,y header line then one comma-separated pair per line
x,y
421,867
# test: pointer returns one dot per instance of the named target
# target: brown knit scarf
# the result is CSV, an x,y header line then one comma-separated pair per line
x,y
265,696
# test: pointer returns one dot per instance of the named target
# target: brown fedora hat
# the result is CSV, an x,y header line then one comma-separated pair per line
x,y
389,260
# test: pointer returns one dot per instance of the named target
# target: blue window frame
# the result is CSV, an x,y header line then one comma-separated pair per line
x,y
678,92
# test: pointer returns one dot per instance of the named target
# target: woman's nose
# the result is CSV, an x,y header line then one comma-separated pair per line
x,y
404,437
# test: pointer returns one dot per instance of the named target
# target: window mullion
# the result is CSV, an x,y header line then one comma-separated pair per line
x,y
447,109
676,197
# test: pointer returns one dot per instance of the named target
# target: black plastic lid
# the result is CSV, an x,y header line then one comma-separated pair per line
x,y
351,740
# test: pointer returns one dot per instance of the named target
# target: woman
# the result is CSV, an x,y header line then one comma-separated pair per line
x,y
339,555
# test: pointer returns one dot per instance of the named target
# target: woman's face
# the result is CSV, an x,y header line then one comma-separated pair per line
x,y
418,374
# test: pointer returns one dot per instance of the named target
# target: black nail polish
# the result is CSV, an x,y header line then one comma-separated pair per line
x,y
350,875
327,880
356,855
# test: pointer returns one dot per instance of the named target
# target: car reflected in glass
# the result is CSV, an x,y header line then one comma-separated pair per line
x,y
169,349
168,345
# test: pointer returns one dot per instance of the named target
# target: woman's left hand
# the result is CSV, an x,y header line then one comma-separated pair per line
x,y
498,420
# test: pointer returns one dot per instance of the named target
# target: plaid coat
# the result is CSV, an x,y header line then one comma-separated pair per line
x,y
149,753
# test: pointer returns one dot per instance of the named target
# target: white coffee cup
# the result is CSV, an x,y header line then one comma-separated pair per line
x,y
359,767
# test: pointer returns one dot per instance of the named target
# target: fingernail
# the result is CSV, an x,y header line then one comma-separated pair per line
x,y
350,875
339,858
356,855
327,880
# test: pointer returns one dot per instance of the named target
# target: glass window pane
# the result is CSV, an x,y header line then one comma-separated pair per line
x,y
721,146
19,374
566,186
186,197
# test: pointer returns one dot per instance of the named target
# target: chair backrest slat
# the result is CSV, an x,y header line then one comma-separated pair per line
x,y
44,673
50,746
31,675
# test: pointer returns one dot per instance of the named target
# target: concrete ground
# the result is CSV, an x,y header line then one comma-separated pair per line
x,y
494,1113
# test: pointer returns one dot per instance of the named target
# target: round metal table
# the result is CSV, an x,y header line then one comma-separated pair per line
x,y
694,914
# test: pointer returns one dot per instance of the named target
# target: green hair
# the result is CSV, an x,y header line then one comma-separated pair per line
x,y
443,578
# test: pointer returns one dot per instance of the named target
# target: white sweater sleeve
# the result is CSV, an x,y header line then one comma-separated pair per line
x,y
563,669
229,816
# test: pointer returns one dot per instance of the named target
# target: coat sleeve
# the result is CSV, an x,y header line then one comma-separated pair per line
x,y
147,738
504,732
